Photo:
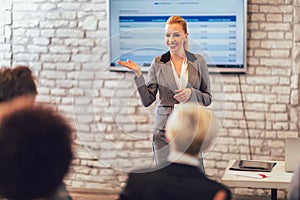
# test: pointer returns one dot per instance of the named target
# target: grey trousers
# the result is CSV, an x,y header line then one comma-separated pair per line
x,y
161,149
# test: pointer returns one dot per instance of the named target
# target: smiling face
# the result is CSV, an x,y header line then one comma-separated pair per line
x,y
175,37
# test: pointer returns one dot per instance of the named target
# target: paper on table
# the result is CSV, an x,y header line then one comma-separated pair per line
x,y
249,174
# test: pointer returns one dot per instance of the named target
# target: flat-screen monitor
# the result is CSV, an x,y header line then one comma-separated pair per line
x,y
217,31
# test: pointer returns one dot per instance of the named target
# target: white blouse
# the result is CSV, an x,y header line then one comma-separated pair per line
x,y
182,80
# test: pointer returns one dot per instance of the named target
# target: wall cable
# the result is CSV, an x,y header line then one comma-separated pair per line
x,y
245,117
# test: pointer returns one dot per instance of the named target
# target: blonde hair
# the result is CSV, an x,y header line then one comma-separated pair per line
x,y
191,127
179,20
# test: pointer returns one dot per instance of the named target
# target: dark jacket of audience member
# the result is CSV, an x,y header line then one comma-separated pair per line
x,y
35,153
189,129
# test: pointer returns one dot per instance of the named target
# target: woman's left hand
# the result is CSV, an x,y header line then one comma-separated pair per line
x,y
183,95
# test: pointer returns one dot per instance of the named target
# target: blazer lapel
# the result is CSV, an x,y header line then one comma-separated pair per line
x,y
168,75
193,75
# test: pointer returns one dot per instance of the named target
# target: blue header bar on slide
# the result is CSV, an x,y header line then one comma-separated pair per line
x,y
187,18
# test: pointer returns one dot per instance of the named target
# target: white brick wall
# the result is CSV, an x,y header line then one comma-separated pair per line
x,y
5,32
62,41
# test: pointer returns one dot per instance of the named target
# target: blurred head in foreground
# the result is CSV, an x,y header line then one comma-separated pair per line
x,y
191,128
35,152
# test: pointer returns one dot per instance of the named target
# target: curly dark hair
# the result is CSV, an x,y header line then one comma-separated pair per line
x,y
35,153
16,82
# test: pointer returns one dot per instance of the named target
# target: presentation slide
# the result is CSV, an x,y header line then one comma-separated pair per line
x,y
216,31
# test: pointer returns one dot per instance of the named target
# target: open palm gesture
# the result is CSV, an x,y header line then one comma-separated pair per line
x,y
131,65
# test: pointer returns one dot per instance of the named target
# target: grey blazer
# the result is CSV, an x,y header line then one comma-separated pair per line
x,y
160,78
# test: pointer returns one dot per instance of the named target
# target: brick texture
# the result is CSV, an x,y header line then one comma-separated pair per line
x,y
69,56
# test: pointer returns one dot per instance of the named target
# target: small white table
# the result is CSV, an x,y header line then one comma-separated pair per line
x,y
277,179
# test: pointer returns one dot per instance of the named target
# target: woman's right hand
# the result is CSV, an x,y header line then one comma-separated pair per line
x,y
132,66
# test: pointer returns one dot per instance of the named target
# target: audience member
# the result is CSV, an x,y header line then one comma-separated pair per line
x,y
15,104
15,82
187,131
294,188
35,153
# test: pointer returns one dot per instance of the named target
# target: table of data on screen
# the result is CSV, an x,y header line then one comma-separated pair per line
x,y
212,36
